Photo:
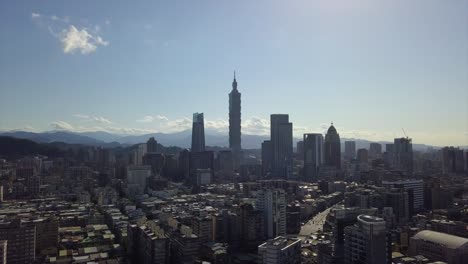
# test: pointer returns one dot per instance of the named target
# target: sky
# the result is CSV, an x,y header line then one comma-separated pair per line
x,y
372,67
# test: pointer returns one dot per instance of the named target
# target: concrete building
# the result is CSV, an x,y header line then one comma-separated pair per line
x,y
235,123
350,150
137,178
152,145
198,133
3,251
267,157
282,146
332,148
280,250
362,156
440,247
21,241
147,244
367,241
313,156
403,155
272,204
452,160
203,228
375,150
416,186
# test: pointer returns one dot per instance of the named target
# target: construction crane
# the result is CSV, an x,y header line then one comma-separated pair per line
x,y
404,133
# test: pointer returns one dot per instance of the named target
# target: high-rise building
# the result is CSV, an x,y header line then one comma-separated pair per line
x,y
367,241
198,133
151,145
3,251
350,149
362,155
416,186
235,122
332,148
280,250
147,243
300,150
272,204
251,226
137,178
282,145
453,160
313,155
375,150
21,241
267,157
403,154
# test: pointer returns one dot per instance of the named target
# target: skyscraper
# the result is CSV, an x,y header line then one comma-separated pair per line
x,y
350,149
403,154
313,155
375,150
282,145
272,204
332,148
367,241
235,122
267,157
198,133
151,145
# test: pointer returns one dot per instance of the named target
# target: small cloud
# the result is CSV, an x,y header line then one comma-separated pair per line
x,y
107,22
146,119
61,125
80,40
101,119
35,15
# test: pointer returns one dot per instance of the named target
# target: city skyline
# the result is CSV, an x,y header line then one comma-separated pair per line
x,y
154,86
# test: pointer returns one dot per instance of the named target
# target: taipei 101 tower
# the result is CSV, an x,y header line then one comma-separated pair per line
x,y
235,123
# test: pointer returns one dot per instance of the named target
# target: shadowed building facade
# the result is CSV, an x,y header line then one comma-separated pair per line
x,y
198,133
332,148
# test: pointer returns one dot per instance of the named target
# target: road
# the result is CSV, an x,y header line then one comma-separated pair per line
x,y
315,224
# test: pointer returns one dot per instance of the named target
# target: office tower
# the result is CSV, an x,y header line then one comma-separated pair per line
x,y
3,251
403,154
439,247
332,148
267,157
452,160
293,218
139,152
300,150
362,155
151,145
235,122
400,201
367,241
416,186
136,179
225,161
350,149
155,160
282,145
313,155
21,247
198,133
375,150
184,165
272,204
280,250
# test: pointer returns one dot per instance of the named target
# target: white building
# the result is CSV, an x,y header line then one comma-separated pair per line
x,y
280,250
272,203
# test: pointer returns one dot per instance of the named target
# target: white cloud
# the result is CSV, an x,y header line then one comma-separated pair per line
x,y
149,118
62,125
98,119
80,40
74,37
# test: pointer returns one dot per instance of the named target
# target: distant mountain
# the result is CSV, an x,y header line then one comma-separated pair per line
x,y
55,136
180,139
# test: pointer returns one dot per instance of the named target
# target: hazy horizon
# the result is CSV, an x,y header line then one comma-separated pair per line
x,y
371,67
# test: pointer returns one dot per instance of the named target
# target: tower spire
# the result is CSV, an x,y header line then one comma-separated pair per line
x,y
234,82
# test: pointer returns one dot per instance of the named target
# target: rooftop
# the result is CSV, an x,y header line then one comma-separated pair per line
x,y
447,240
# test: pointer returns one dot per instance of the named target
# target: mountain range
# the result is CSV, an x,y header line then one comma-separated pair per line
x,y
180,139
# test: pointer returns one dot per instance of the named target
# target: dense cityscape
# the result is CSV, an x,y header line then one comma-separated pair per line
x,y
321,201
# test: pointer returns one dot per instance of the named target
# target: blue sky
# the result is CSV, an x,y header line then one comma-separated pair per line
x,y
372,67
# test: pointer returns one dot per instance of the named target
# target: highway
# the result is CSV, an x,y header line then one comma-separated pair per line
x,y
315,224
